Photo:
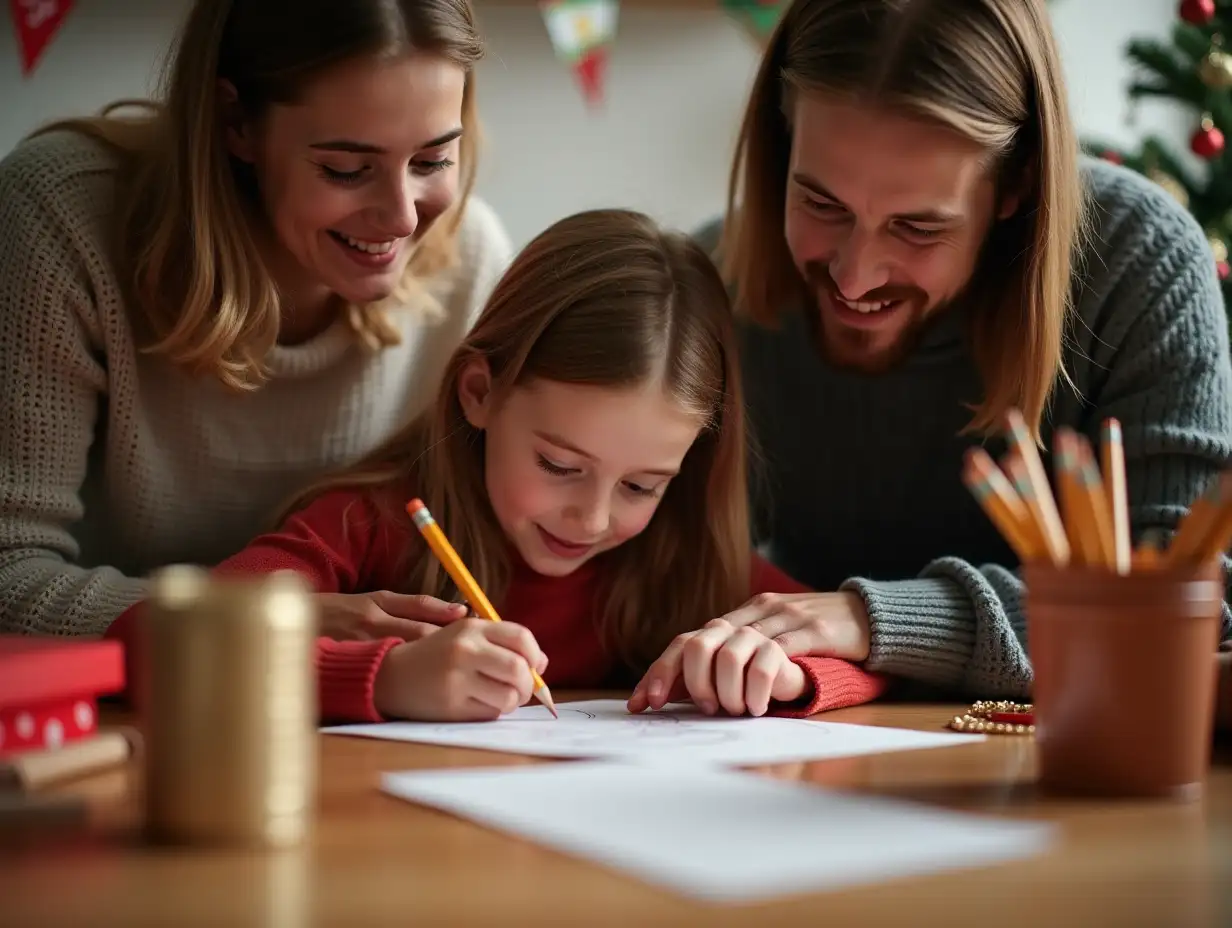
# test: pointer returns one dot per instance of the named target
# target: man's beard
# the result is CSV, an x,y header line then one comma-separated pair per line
x,y
858,350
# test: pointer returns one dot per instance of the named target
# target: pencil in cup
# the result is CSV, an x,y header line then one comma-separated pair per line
x,y
1040,503
1206,531
1095,529
997,498
1083,500
467,585
1112,453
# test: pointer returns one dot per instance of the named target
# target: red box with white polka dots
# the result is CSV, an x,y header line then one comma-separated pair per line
x,y
49,689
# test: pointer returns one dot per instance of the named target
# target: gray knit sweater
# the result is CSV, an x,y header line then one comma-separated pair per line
x,y
860,480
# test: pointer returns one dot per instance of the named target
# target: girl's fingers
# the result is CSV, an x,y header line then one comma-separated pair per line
x,y
500,698
698,665
759,677
729,668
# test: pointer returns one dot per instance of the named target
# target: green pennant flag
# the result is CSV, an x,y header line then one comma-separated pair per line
x,y
758,17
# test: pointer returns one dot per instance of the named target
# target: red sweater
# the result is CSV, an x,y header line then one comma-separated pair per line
x,y
342,543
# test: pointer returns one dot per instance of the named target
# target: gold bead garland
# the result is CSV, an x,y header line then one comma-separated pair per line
x,y
978,719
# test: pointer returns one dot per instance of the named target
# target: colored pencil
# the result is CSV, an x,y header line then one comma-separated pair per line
x,y
1194,526
467,584
1218,535
1096,501
999,501
1020,480
1112,452
1044,507
1146,557
1077,501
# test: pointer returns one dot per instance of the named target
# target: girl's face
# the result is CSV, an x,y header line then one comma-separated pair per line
x,y
573,471
356,172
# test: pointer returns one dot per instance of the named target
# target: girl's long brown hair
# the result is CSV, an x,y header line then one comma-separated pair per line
x,y
603,298
199,293
987,69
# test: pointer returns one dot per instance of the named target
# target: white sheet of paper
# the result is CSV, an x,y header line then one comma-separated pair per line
x,y
680,734
719,835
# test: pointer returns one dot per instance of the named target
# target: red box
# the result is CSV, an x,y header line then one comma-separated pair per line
x,y
49,689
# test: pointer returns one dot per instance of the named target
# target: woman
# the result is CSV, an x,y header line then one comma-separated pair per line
x,y
209,304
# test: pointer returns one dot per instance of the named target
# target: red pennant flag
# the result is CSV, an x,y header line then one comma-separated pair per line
x,y
36,22
590,69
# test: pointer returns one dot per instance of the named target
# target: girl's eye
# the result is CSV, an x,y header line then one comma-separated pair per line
x,y
555,470
639,490
340,177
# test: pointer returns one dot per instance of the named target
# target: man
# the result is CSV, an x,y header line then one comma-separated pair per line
x,y
917,248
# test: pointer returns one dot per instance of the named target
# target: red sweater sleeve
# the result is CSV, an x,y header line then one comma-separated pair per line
x,y
339,543
831,683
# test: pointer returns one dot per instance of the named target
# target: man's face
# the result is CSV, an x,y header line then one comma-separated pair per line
x,y
885,218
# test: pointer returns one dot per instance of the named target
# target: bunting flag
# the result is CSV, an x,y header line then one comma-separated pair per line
x,y
36,23
757,17
582,32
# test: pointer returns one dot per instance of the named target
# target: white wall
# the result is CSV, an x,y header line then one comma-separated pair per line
x,y
676,84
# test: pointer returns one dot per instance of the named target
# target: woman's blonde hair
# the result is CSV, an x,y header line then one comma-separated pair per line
x,y
603,298
185,245
988,70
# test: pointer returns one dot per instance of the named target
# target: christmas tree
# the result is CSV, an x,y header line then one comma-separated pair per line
x,y
1196,70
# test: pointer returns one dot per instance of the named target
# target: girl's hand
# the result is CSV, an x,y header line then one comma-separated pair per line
x,y
721,666
474,670
349,616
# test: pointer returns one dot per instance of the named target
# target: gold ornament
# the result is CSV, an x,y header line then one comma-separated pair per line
x,y
1218,248
995,718
1173,186
1216,70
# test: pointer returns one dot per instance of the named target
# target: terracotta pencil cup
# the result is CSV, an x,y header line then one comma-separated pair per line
x,y
1124,693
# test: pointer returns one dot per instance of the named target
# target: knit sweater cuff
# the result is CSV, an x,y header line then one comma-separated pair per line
x,y
919,629
346,676
830,684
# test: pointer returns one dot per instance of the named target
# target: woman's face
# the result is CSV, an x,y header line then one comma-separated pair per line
x,y
356,172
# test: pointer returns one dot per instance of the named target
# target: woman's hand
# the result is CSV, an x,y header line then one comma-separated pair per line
x,y
348,616
474,670
818,624
722,666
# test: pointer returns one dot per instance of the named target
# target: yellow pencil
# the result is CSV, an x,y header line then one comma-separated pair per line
x,y
1196,525
1079,519
452,563
1016,473
1113,452
1042,504
1097,504
1219,535
999,502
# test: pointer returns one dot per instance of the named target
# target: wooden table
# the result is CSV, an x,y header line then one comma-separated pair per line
x,y
376,860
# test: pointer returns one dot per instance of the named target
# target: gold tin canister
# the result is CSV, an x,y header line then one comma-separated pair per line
x,y
229,708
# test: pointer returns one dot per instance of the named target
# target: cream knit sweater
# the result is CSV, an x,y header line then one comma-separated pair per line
x,y
113,462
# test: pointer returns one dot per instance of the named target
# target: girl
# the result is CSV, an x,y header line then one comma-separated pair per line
x,y
214,299
586,458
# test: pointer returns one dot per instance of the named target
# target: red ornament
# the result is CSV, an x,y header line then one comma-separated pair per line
x,y
1222,269
1207,142
1113,157
1197,12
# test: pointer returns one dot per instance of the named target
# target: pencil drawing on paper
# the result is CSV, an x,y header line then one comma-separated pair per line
x,y
581,729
